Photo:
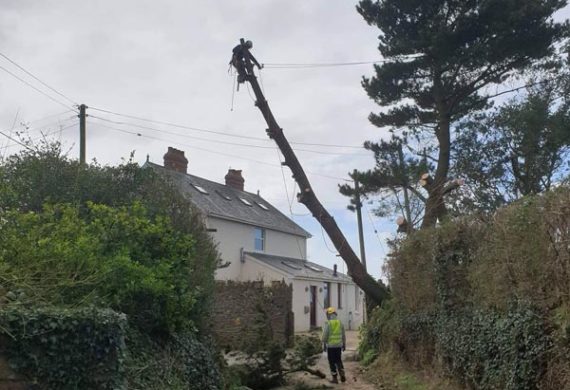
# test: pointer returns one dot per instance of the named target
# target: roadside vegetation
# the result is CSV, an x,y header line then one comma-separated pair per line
x,y
483,300
103,255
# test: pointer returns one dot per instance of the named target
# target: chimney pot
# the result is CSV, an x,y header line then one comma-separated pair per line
x,y
174,159
234,179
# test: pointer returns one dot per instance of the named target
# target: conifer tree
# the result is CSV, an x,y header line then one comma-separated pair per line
x,y
440,57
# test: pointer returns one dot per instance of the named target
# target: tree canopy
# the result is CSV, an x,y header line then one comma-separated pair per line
x,y
440,57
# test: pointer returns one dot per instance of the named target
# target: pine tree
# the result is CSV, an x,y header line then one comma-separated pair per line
x,y
440,57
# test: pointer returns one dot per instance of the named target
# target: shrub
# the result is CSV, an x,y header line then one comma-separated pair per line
x,y
490,350
66,349
33,179
112,257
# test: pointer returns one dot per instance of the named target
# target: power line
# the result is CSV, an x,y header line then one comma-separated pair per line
x,y
217,141
33,87
47,117
214,152
176,125
44,135
37,79
16,141
333,64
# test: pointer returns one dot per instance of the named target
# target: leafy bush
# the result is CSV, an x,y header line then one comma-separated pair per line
x,y
113,257
490,350
66,349
380,332
305,353
454,288
175,362
33,179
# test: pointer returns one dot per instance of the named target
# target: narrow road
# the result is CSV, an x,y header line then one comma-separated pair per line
x,y
354,379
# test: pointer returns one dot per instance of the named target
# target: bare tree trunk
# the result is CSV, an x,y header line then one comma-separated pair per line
x,y
306,196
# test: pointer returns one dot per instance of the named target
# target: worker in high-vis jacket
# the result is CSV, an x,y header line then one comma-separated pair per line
x,y
334,343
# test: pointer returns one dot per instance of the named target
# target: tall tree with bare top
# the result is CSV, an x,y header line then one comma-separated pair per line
x,y
440,58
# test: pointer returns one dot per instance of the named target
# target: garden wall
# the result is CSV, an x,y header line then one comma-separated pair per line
x,y
249,315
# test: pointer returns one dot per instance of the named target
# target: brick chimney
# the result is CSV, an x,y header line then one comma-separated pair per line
x,y
174,159
234,179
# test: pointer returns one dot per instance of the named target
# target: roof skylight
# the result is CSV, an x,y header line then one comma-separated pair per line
x,y
246,202
313,268
264,207
291,265
200,189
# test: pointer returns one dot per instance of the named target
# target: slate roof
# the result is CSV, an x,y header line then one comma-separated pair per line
x,y
225,202
300,268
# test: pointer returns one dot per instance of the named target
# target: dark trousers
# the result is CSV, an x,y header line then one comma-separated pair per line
x,y
335,360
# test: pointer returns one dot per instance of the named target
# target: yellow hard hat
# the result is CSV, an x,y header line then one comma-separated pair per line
x,y
331,310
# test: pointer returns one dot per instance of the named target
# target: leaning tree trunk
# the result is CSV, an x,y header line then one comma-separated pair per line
x,y
307,197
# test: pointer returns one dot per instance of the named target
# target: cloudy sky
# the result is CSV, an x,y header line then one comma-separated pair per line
x,y
168,61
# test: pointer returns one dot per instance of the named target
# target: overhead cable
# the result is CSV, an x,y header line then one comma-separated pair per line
x,y
37,79
214,140
35,88
213,151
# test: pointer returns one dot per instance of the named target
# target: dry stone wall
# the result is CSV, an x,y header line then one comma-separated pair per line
x,y
248,315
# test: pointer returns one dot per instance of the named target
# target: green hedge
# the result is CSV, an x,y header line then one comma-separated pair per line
x,y
66,349
491,350
175,362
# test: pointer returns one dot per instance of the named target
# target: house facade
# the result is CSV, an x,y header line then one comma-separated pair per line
x,y
259,243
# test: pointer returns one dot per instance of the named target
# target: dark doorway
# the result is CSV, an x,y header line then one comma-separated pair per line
x,y
313,307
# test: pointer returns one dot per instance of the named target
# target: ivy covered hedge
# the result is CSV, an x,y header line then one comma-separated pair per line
x,y
177,362
485,299
66,349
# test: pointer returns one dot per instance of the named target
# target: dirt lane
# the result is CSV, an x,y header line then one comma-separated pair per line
x,y
354,379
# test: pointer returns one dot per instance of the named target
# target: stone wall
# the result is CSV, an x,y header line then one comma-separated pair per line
x,y
248,315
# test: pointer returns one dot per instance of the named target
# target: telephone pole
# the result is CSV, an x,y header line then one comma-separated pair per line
x,y
361,241
82,142
359,219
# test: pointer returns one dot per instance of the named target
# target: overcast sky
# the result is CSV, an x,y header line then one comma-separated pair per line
x,y
168,61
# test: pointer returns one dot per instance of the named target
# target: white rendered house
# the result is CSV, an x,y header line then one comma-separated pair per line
x,y
259,243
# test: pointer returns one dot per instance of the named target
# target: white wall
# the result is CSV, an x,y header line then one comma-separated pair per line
x,y
349,314
232,236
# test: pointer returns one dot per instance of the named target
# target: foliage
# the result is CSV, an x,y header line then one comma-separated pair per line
x,y
113,257
439,58
526,256
177,361
66,349
261,370
380,333
394,178
490,350
484,299
32,179
305,353
521,148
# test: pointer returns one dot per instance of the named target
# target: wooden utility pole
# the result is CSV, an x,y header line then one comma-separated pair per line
x,y
361,241
82,141
359,220
307,196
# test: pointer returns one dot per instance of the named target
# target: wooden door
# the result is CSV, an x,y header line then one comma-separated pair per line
x,y
313,306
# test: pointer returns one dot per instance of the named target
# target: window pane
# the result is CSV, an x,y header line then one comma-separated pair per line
x,y
327,302
259,239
